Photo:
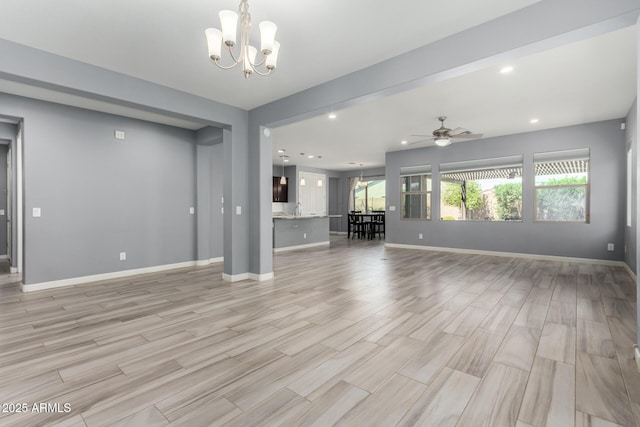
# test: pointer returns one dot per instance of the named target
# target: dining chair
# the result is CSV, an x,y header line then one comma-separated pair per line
x,y
377,224
355,225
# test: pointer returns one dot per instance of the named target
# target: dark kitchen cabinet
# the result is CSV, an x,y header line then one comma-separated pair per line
x,y
280,191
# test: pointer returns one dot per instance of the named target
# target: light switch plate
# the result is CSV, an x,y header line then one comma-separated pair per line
x,y
37,212
392,208
123,256
192,210
1,212
119,134
238,210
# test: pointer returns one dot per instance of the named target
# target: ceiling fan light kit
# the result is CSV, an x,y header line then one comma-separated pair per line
x,y
269,47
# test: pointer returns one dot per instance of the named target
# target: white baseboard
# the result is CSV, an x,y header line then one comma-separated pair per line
x,y
13,270
261,277
338,232
203,262
293,248
508,254
235,277
246,276
631,273
105,276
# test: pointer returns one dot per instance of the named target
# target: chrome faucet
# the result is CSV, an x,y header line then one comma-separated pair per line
x,y
298,210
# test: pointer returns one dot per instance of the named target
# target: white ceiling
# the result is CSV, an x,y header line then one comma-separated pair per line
x,y
163,41
587,81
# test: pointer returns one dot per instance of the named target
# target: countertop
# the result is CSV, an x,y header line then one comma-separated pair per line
x,y
299,217
305,216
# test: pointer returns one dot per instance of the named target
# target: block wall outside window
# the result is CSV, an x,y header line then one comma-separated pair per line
x,y
562,186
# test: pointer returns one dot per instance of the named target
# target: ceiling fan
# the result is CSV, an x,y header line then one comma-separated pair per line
x,y
443,136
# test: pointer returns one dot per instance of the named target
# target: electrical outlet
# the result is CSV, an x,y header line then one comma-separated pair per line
x,y
36,213
123,256
610,247
420,236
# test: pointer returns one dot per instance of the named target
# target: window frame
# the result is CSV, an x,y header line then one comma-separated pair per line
x,y
587,187
513,162
428,194
366,192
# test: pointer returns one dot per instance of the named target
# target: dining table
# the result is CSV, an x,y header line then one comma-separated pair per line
x,y
363,222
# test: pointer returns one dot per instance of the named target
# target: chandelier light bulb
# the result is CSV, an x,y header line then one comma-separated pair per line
x,y
272,60
267,36
229,24
214,41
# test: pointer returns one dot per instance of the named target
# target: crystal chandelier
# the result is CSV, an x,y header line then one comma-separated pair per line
x,y
269,47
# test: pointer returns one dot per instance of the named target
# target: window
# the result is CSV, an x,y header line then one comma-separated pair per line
x,y
369,195
415,184
629,185
481,190
562,186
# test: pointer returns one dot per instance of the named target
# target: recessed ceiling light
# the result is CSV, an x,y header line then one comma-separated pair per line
x,y
534,121
281,150
403,142
506,70
310,156
332,116
286,160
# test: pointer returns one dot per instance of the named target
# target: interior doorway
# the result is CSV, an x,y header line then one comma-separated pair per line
x,y
11,136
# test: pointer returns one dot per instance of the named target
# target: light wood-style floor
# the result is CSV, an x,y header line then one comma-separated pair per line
x,y
353,335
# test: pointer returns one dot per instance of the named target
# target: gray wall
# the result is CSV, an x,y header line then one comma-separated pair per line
x,y
40,69
100,196
631,137
607,176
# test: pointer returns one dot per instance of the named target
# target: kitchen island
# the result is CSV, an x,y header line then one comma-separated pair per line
x,y
298,232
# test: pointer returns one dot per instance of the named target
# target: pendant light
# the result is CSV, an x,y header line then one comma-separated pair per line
x,y
283,179
360,182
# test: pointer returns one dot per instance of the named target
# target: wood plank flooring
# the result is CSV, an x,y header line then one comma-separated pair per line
x,y
354,334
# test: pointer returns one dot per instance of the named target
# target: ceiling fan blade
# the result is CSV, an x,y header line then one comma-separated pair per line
x,y
423,135
467,136
458,131
421,140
